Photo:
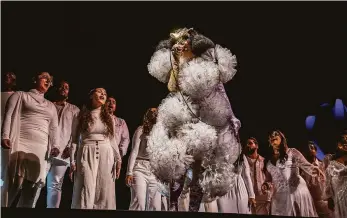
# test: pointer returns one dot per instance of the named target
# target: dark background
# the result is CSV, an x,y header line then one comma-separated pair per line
x,y
291,58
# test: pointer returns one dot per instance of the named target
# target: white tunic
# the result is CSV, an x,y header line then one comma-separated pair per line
x,y
236,201
67,114
30,122
122,135
336,187
94,186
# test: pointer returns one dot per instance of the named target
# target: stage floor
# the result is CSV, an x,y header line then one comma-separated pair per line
x,y
67,213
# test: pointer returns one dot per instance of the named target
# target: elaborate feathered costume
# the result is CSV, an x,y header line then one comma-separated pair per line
x,y
195,119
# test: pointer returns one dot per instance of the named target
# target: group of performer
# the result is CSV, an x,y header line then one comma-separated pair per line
x,y
186,155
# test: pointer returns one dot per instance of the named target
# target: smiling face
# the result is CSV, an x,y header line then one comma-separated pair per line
x,y
98,97
111,105
43,82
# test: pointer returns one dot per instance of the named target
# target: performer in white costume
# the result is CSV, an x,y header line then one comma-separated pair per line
x,y
195,121
66,114
121,128
316,188
30,131
98,161
142,182
8,84
336,179
241,197
258,176
291,196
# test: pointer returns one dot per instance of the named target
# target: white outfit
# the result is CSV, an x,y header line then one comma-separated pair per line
x,y
316,188
94,186
291,196
258,177
122,135
236,201
336,187
5,153
66,114
144,190
30,122
183,204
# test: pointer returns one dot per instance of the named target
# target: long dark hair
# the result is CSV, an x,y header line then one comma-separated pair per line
x,y
149,120
283,154
85,117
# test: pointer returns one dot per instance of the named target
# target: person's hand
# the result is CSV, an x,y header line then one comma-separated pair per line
x,y
55,152
66,153
116,170
129,180
72,170
5,143
251,203
265,188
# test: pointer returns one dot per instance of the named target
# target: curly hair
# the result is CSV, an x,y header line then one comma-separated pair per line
x,y
149,120
86,119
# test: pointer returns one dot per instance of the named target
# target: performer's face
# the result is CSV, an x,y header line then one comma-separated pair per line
x,y
10,78
312,150
99,97
64,89
111,105
43,82
275,142
342,144
251,146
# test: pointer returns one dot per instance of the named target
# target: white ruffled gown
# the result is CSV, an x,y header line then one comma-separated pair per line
x,y
291,196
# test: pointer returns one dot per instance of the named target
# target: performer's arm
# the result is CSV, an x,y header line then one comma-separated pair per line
x,y
53,133
328,191
304,165
267,187
134,150
246,175
75,137
10,106
125,139
236,122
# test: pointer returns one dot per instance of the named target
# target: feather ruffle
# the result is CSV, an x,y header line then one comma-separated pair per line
x,y
165,154
198,78
226,63
160,65
174,111
200,138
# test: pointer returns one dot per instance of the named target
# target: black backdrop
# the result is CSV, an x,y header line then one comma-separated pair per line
x,y
291,57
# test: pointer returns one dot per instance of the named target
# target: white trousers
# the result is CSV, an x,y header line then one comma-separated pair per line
x,y
55,179
144,189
